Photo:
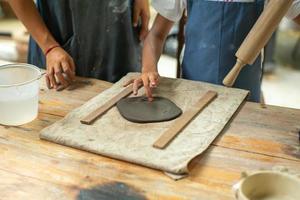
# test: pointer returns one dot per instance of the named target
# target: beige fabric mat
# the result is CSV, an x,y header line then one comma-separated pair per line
x,y
115,137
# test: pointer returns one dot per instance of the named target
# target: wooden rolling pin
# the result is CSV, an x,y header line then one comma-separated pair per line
x,y
258,37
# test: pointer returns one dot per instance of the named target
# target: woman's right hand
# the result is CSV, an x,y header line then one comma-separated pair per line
x,y
60,69
60,65
149,79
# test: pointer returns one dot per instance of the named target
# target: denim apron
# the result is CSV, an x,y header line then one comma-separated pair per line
x,y
98,34
214,32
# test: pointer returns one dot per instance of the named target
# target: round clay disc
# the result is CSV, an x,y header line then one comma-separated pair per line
x,y
140,110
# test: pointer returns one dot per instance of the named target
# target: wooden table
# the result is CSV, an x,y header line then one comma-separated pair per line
x,y
31,168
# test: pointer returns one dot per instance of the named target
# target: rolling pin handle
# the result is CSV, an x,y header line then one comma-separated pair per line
x,y
233,74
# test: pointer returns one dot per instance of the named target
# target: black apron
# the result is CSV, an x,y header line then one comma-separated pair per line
x,y
98,34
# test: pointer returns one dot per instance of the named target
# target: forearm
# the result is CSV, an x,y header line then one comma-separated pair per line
x,y
152,51
27,12
154,43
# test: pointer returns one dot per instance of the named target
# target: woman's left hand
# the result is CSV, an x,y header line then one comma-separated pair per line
x,y
141,10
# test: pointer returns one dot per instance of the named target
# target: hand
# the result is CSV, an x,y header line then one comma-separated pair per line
x,y
150,80
141,9
60,69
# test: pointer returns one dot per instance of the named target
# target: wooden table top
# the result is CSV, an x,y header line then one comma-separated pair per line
x,y
30,168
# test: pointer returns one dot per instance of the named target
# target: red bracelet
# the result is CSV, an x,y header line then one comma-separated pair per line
x,y
50,49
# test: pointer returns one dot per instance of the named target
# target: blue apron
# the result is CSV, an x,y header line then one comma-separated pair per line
x,y
214,32
97,34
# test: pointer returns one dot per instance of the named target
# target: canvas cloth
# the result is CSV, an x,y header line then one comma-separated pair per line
x,y
113,136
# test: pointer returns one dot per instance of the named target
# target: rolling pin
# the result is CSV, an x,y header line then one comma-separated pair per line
x,y
258,37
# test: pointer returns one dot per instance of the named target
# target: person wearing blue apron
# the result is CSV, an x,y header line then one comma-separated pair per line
x,y
215,30
98,39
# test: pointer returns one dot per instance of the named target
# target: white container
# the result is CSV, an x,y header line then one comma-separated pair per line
x,y
19,89
268,185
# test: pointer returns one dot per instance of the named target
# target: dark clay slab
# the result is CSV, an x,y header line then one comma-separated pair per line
x,y
140,110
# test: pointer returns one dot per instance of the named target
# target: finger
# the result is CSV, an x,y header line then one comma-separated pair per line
x,y
73,67
153,81
52,78
148,91
145,26
147,88
48,82
157,80
68,72
128,83
58,73
136,85
136,15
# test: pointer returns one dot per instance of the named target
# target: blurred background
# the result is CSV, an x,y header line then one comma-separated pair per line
x,y
281,67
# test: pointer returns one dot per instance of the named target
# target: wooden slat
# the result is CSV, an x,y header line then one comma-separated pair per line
x,y
90,118
184,120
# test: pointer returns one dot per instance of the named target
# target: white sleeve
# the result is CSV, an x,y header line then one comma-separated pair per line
x,y
170,9
294,11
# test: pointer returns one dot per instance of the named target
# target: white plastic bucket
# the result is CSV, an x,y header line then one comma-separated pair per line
x,y
19,89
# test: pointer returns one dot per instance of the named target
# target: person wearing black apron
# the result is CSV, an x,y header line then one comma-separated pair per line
x,y
98,39
214,31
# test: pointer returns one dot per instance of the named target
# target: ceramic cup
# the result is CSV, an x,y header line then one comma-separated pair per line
x,y
268,185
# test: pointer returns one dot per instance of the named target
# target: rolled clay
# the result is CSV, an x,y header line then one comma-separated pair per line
x,y
140,110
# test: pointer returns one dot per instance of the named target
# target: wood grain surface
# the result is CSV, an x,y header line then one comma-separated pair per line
x,y
184,120
115,137
34,169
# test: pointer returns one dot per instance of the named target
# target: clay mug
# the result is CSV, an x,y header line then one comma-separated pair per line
x,y
268,185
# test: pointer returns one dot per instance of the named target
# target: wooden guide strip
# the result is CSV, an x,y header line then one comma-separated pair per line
x,y
90,118
184,120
